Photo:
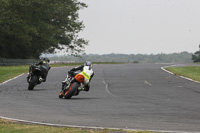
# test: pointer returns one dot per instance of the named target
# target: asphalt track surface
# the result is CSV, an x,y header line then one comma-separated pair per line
x,y
129,96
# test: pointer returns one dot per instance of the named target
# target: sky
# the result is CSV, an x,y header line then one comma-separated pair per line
x,y
141,26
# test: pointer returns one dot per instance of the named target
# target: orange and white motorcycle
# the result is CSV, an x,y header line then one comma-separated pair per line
x,y
72,85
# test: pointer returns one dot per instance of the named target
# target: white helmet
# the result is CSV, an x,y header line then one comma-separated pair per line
x,y
88,63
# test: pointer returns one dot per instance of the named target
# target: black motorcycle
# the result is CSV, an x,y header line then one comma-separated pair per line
x,y
35,76
70,89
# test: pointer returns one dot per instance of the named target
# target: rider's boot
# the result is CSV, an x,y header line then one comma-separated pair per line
x,y
80,89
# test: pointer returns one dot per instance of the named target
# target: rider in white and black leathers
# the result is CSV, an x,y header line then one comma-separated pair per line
x,y
86,71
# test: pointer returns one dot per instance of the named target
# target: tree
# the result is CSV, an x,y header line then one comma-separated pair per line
x,y
29,28
196,56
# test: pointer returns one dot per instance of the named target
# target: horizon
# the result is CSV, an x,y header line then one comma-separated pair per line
x,y
60,55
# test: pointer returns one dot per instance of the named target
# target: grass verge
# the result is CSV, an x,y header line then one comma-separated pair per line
x,y
8,72
192,72
16,127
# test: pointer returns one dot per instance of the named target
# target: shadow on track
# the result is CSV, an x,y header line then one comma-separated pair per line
x,y
85,98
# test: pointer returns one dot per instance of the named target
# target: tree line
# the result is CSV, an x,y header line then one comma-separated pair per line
x,y
29,28
196,56
183,57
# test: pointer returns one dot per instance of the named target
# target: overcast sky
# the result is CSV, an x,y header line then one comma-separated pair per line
x,y
141,26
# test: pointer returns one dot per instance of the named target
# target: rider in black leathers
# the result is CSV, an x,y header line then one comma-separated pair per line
x,y
44,67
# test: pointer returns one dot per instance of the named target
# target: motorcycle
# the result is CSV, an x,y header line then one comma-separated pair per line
x,y
34,78
70,89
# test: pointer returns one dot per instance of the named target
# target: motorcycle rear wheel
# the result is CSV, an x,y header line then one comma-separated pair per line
x,y
32,82
73,88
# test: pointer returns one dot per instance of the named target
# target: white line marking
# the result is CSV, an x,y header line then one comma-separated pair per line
x,y
145,82
11,79
90,127
163,68
108,89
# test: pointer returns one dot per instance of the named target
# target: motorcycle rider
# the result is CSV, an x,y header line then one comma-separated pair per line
x,y
86,71
44,66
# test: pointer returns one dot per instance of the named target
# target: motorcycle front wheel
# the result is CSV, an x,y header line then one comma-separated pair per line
x,y
32,82
62,93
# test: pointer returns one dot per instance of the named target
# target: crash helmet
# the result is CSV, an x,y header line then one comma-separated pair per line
x,y
88,63
46,59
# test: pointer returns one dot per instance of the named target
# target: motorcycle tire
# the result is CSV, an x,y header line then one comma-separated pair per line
x,y
61,95
32,82
73,88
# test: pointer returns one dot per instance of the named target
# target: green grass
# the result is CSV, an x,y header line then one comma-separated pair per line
x,y
14,127
192,72
8,72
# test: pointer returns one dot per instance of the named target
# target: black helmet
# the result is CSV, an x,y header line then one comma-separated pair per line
x,y
46,59
88,63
